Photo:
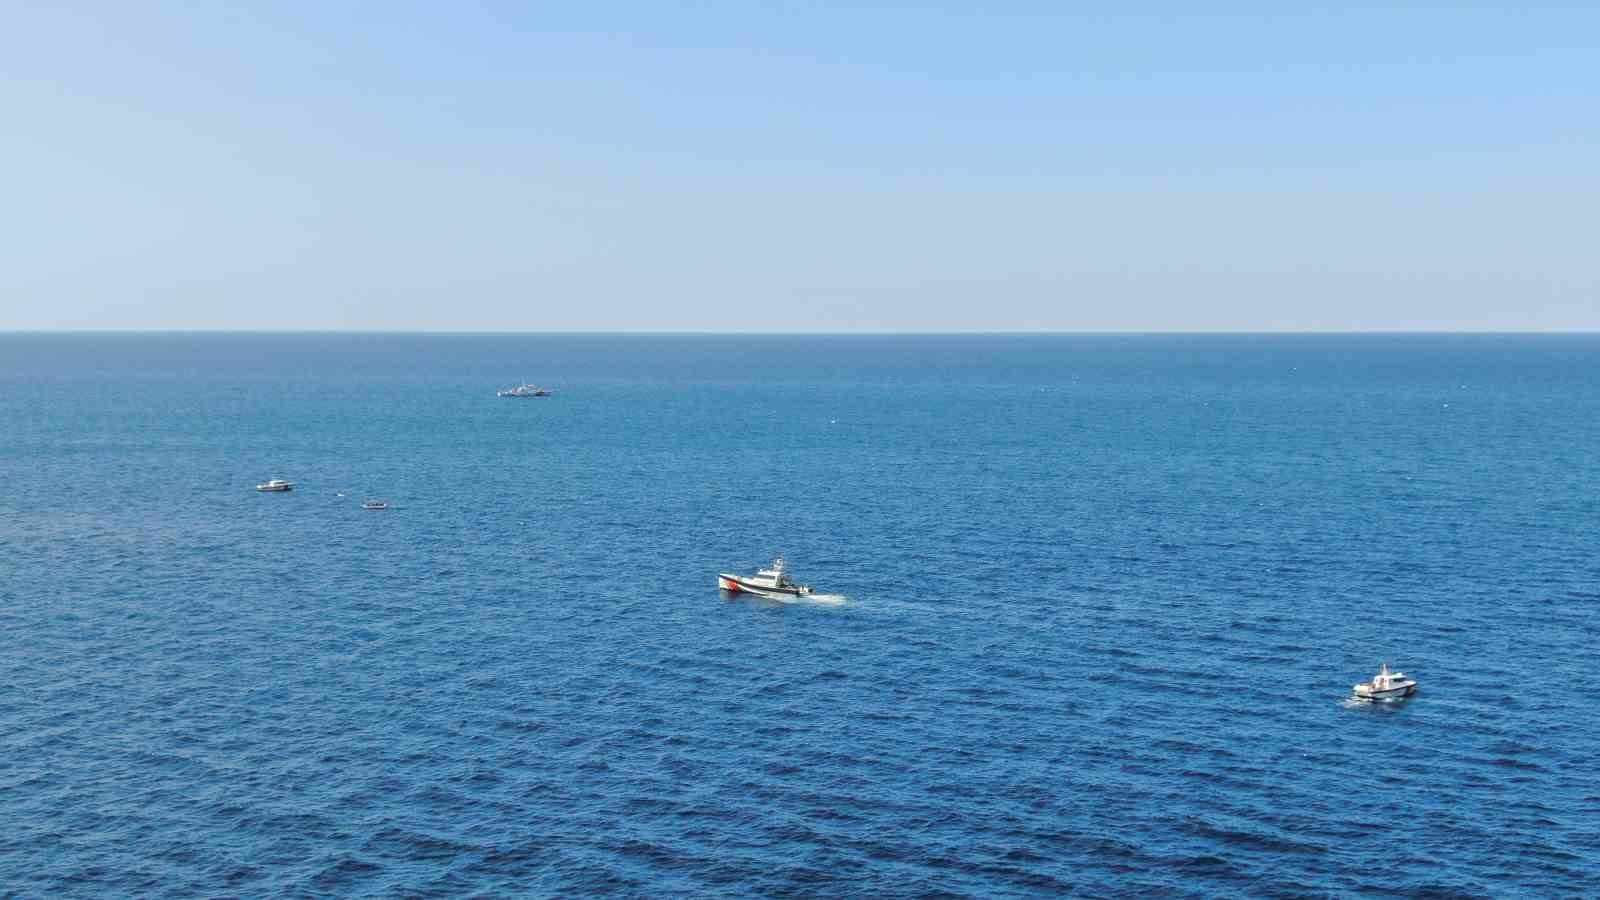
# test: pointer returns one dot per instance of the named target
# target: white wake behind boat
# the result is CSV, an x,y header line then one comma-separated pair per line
x,y
275,485
1386,685
771,582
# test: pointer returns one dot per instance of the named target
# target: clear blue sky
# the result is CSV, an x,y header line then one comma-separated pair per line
x,y
767,166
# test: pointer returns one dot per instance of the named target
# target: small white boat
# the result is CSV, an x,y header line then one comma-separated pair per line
x,y
772,582
275,485
1386,685
524,390
375,504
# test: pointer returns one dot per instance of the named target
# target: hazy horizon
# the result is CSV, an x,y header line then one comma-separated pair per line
x,y
1144,168
818,333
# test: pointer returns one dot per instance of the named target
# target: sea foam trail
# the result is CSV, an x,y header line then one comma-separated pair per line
x,y
793,599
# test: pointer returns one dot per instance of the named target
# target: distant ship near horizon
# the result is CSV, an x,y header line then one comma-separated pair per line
x,y
524,390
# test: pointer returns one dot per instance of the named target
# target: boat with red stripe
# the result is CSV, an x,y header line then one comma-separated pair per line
x,y
769,582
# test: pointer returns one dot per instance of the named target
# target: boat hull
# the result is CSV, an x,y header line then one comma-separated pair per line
x,y
737,585
1362,692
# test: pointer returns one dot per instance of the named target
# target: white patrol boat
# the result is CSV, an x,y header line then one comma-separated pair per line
x,y
773,582
1386,685
275,485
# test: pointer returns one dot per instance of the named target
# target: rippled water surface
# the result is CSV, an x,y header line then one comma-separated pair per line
x,y
1103,599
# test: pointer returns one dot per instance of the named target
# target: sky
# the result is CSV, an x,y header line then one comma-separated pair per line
x,y
819,167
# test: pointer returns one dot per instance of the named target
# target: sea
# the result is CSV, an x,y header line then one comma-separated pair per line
x,y
1088,611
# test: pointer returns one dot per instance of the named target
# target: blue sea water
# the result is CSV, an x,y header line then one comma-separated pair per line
x,y
1100,604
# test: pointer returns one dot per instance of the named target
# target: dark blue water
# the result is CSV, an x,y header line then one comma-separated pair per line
x,y
1103,597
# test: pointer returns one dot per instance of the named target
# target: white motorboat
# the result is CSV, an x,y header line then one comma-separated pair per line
x,y
1386,685
771,582
524,390
275,485
375,504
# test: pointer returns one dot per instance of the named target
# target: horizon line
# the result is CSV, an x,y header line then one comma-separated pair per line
x,y
803,333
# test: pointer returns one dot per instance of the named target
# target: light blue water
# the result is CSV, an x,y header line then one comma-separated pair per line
x,y
1104,597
